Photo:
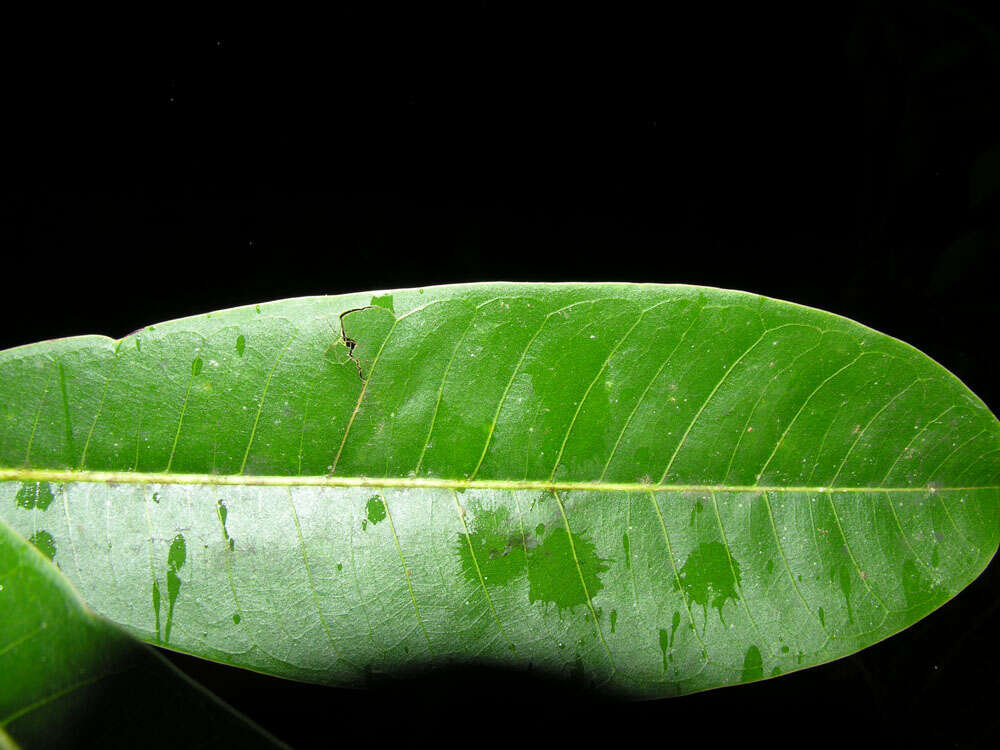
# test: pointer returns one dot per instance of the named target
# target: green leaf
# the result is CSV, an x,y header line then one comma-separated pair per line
x,y
68,678
654,489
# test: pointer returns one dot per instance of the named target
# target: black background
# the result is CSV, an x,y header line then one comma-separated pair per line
x,y
847,158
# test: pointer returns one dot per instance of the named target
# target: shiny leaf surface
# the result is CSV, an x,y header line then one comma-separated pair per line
x,y
70,679
653,489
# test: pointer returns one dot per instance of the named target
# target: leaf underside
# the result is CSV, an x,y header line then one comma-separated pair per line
x,y
652,489
70,679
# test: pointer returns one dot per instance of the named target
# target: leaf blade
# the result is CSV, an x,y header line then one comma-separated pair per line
x,y
69,675
570,418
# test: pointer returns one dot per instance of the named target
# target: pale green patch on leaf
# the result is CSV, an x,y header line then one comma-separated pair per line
x,y
69,678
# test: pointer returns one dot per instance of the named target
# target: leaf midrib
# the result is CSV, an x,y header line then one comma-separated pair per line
x,y
250,480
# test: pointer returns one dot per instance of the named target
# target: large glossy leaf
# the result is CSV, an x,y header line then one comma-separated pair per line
x,y
658,489
70,679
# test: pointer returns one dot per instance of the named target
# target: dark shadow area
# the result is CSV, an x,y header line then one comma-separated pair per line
x,y
128,697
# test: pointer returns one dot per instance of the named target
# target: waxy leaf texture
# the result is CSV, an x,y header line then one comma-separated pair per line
x,y
652,489
71,679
